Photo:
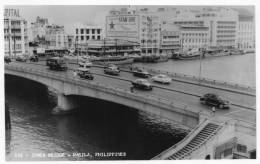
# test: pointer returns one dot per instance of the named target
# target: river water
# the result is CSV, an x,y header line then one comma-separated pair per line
x,y
98,127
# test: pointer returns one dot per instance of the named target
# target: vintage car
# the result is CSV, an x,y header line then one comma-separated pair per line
x,y
7,59
164,79
57,63
214,100
21,58
140,73
142,84
86,64
85,73
111,70
33,58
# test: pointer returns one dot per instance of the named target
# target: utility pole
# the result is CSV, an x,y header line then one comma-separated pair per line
x,y
116,46
104,47
14,44
9,38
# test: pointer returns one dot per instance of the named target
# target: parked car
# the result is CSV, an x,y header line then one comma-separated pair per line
x,y
7,59
33,58
140,73
164,79
86,64
21,58
214,100
57,63
142,84
85,73
111,70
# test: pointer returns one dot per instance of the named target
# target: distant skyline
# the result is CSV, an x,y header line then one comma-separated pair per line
x,y
69,16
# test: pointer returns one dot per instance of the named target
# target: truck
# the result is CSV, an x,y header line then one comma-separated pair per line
x,y
57,63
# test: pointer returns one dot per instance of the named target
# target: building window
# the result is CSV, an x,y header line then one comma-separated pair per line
x,y
87,31
241,148
87,37
82,37
93,31
77,31
93,37
98,37
98,31
82,31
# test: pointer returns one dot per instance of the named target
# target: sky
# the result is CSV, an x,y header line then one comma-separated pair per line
x,y
70,16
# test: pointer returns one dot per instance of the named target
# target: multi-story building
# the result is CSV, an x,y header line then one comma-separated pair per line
x,y
246,33
194,37
170,38
38,29
15,33
84,33
55,37
223,26
139,26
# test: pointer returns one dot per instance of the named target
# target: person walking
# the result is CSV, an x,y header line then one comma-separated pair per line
x,y
132,89
74,74
213,110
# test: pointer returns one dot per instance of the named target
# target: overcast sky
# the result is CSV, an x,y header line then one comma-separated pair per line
x,y
71,15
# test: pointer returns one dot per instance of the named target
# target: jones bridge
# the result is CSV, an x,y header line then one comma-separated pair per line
x,y
177,101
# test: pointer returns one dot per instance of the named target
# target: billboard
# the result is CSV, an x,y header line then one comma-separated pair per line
x,y
126,26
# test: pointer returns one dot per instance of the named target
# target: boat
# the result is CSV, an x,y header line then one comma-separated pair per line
x,y
117,60
191,54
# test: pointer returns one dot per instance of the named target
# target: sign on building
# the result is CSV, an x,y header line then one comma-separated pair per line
x,y
11,13
126,26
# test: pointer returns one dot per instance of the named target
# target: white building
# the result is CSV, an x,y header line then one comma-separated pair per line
x,y
141,26
246,33
83,33
56,37
15,33
38,29
170,38
223,26
194,37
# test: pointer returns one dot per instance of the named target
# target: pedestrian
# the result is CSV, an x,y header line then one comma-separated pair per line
x,y
213,110
74,74
132,89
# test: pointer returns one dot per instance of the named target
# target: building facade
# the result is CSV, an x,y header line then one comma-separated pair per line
x,y
15,33
223,26
170,38
55,37
139,26
194,37
38,29
85,33
246,33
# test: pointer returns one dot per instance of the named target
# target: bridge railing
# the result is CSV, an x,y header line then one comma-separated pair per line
x,y
162,102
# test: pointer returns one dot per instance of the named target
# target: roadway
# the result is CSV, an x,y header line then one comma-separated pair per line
x,y
243,106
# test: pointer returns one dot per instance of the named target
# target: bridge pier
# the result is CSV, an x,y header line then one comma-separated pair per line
x,y
65,105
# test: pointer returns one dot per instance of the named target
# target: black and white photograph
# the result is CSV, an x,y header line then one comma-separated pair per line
x,y
129,82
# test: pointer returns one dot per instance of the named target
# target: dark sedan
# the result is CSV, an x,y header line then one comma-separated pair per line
x,y
214,100
141,73
142,84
